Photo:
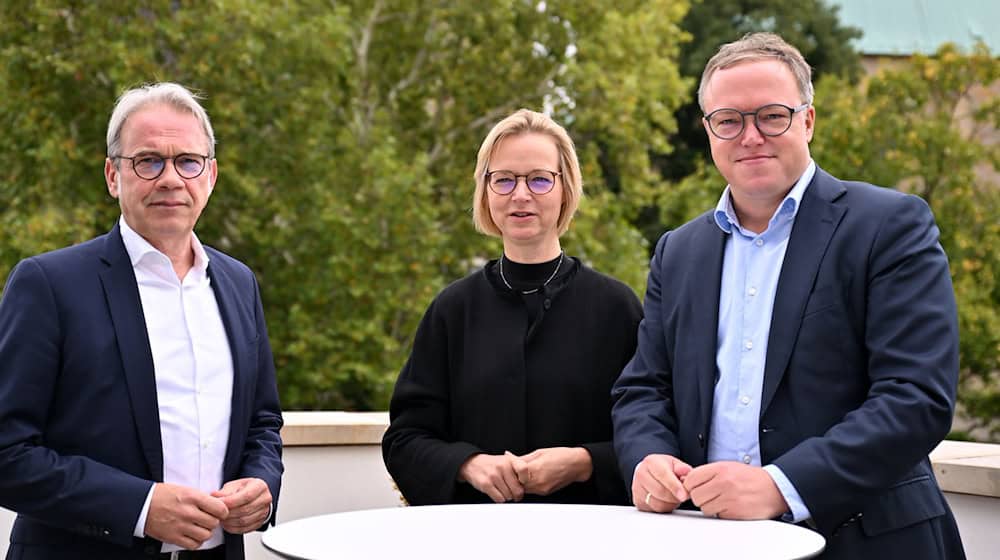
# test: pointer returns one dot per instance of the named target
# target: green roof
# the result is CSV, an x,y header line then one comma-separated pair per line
x,y
905,27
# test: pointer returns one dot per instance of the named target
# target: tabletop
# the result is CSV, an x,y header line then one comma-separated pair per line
x,y
511,531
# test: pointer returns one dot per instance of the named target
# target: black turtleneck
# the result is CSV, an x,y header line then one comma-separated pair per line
x,y
531,277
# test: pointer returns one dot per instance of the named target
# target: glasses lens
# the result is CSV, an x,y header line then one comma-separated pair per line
x,y
502,182
726,123
541,182
148,167
189,166
773,120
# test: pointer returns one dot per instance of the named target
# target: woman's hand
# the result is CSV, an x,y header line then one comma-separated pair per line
x,y
546,470
494,476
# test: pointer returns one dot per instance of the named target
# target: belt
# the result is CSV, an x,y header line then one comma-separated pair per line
x,y
217,553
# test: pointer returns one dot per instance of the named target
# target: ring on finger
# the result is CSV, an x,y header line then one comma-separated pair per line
x,y
648,495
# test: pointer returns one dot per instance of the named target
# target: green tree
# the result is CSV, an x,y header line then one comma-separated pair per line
x,y
347,138
929,127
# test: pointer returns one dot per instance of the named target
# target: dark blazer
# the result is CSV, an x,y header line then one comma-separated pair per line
x,y
860,373
80,440
483,378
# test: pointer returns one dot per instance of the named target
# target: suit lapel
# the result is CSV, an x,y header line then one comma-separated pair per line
x,y
815,224
238,332
125,307
709,246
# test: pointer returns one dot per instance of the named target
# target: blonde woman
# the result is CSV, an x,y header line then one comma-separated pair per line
x,y
505,396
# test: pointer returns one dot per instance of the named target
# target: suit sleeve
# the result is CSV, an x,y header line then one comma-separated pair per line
x,y
643,413
911,342
36,481
417,448
262,451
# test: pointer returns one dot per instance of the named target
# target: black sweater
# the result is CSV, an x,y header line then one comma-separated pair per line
x,y
483,378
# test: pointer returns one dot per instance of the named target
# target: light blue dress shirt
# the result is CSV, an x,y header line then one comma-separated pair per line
x,y
750,272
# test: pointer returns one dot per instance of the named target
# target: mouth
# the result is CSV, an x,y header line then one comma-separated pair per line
x,y
754,158
521,214
169,204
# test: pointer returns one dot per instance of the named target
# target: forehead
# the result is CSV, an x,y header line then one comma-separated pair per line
x,y
749,85
163,128
526,147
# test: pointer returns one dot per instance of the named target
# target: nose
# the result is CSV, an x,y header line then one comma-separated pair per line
x,y
751,135
519,192
169,178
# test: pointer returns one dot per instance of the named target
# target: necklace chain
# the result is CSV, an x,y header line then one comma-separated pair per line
x,y
546,283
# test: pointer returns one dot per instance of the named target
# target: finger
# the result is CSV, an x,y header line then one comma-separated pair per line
x,y
521,469
661,481
209,506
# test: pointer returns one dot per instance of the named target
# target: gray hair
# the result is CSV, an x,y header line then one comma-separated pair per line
x,y
167,93
754,47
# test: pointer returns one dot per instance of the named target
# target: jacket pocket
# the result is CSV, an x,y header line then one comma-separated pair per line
x,y
907,503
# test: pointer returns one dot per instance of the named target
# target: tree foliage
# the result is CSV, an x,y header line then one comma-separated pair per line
x,y
347,138
930,127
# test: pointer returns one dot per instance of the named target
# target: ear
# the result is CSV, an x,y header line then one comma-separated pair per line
x,y
810,123
111,177
213,174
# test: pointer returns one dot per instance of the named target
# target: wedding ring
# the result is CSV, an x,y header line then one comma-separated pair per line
x,y
648,494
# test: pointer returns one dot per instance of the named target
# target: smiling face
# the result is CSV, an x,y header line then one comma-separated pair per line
x,y
528,222
163,210
760,169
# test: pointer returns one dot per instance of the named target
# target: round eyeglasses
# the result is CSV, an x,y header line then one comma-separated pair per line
x,y
771,120
539,181
151,166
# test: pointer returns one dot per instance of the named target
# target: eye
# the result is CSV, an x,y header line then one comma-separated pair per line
x,y
540,180
148,160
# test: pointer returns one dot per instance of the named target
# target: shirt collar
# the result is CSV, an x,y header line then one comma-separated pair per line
x,y
137,247
725,214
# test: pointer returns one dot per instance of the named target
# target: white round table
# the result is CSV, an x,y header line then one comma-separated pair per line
x,y
555,531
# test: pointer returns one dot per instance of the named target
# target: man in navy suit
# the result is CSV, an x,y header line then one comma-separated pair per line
x,y
139,413
799,354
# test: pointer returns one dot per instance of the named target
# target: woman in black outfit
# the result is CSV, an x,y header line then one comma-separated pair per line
x,y
506,394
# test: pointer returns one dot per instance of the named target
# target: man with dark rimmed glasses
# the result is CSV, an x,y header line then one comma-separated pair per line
x,y
798,359
137,389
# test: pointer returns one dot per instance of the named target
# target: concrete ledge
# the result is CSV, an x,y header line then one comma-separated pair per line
x,y
334,428
968,468
960,467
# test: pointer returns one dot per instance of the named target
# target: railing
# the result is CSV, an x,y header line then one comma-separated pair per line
x,y
333,463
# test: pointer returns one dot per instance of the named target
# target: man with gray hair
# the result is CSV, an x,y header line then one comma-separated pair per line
x,y
137,388
798,359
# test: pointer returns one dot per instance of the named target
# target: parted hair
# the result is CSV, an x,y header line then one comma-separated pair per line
x,y
525,121
755,47
166,93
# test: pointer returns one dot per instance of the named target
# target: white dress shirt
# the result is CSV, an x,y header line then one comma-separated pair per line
x,y
751,267
193,368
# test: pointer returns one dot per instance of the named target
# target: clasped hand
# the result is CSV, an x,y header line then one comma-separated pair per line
x,y
186,517
508,477
725,489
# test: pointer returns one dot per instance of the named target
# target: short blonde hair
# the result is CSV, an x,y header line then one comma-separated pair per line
x,y
754,47
526,122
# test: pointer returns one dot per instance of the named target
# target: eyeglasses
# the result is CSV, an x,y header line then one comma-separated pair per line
x,y
151,166
539,181
771,120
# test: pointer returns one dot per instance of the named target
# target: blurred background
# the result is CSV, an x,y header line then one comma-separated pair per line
x,y
348,134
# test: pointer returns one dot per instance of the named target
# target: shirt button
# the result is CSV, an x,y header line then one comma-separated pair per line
x,y
746,459
752,291
749,344
758,242
745,399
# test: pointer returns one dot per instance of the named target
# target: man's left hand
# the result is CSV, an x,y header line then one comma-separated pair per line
x,y
249,502
732,490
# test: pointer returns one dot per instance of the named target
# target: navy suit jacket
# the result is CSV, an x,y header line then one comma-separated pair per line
x,y
80,439
860,373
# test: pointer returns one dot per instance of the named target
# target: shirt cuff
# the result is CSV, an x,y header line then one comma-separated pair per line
x,y
799,511
140,525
